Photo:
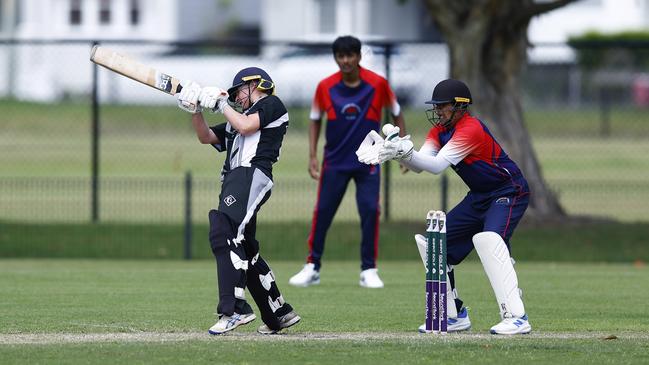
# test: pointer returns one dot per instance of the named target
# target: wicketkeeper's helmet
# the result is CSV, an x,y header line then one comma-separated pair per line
x,y
250,74
449,91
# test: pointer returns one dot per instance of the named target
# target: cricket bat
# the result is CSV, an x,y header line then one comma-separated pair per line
x,y
132,69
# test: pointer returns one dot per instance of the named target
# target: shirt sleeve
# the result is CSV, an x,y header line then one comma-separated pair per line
x,y
465,140
317,106
431,144
271,110
219,130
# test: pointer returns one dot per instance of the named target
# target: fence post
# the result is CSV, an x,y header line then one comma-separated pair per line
x,y
94,146
188,216
444,192
386,166
605,112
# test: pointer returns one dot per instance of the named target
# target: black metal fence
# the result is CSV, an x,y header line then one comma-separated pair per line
x,y
125,157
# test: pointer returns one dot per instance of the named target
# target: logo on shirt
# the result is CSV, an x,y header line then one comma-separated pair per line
x,y
503,201
350,111
229,200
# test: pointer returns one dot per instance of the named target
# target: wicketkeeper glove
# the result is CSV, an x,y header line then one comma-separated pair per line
x,y
188,97
368,151
395,147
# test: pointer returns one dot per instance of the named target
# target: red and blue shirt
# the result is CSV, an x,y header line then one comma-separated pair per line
x,y
352,112
474,155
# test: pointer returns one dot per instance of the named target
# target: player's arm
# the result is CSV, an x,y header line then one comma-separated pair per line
x,y
188,100
419,162
315,125
314,136
244,123
400,122
203,132
462,143
215,99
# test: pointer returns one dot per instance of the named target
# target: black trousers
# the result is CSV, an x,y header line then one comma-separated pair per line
x,y
234,245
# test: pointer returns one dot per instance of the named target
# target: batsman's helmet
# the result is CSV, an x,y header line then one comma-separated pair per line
x,y
450,91
250,74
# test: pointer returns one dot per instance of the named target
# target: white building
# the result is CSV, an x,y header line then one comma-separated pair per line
x,y
159,20
63,69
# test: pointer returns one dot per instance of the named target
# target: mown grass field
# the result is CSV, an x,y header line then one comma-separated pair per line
x,y
95,311
584,284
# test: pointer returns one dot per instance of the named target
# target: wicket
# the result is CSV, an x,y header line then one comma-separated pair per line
x,y
436,320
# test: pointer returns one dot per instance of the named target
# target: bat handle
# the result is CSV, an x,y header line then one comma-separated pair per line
x,y
179,88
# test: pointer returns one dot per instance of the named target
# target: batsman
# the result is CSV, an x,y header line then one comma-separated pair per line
x,y
251,137
486,218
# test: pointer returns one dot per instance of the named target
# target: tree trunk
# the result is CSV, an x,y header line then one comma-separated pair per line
x,y
488,46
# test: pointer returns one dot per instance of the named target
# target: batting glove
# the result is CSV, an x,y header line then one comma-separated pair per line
x,y
213,98
188,97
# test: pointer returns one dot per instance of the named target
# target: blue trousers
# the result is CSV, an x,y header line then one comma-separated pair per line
x,y
331,189
496,211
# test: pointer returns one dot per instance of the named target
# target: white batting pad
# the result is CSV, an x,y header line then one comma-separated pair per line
x,y
451,293
267,280
276,304
237,262
498,266
421,247
254,259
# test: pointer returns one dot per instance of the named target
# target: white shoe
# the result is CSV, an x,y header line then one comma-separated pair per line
x,y
285,321
512,326
228,323
461,323
307,276
370,279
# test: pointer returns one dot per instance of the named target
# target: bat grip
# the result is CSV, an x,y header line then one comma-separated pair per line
x,y
179,88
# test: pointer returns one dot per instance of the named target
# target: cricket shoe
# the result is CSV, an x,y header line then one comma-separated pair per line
x,y
307,276
285,321
512,326
228,323
461,323
370,279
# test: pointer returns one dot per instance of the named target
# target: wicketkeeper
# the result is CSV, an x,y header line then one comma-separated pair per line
x,y
487,216
252,136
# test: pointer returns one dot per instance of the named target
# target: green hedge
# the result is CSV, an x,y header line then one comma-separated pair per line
x,y
629,49
585,242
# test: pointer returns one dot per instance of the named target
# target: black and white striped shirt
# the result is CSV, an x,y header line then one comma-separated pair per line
x,y
260,149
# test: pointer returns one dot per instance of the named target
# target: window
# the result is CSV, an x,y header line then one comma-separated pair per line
x,y
75,12
104,12
134,12
327,11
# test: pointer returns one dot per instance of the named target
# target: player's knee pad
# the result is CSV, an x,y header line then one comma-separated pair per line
x,y
498,266
221,231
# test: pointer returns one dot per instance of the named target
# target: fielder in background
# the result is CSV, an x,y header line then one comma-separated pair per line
x,y
487,216
352,100
252,136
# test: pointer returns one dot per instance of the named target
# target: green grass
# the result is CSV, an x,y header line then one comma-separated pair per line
x,y
57,302
593,242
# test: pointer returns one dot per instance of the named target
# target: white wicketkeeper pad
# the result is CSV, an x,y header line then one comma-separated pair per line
x,y
451,310
498,266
